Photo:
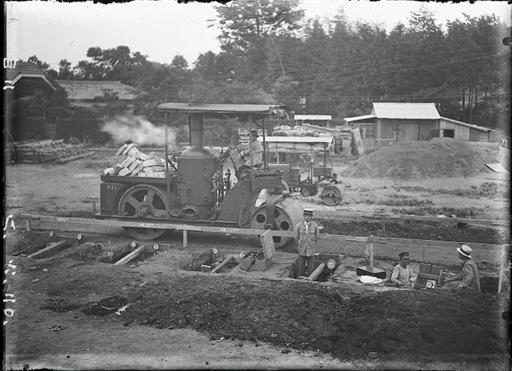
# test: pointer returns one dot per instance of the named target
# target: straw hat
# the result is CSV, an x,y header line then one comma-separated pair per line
x,y
465,250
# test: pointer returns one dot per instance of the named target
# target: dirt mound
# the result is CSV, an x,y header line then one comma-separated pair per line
x,y
439,157
326,319
415,230
21,242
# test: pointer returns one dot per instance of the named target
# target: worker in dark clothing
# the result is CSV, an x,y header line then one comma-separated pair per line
x,y
307,236
468,278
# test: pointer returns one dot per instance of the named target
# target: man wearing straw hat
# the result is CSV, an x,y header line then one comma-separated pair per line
x,y
307,236
469,277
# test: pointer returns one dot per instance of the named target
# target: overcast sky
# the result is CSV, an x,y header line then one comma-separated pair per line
x,y
163,29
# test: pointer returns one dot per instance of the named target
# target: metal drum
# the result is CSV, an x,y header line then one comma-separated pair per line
x,y
287,214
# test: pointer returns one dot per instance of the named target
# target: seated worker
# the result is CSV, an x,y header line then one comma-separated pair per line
x,y
469,277
257,151
403,276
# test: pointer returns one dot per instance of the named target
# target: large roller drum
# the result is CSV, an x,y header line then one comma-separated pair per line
x,y
287,214
144,201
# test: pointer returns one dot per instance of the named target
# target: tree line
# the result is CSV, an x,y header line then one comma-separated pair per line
x,y
271,53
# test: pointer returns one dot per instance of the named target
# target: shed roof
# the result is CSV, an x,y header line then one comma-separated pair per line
x,y
25,69
312,117
359,118
219,108
412,111
472,126
242,111
89,90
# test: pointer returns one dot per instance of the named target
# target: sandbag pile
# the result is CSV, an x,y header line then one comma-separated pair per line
x,y
137,163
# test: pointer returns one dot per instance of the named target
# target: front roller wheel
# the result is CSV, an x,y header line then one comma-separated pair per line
x,y
287,214
144,202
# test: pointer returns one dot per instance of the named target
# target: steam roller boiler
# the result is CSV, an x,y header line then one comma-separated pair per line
x,y
198,189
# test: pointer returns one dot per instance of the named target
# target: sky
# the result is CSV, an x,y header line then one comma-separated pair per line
x,y
162,29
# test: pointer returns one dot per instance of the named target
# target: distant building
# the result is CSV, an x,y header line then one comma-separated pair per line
x,y
27,91
406,122
90,94
320,120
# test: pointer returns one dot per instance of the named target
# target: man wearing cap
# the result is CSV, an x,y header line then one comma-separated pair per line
x,y
469,277
402,273
257,150
307,236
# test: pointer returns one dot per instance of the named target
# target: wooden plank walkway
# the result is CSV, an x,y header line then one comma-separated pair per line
x,y
431,251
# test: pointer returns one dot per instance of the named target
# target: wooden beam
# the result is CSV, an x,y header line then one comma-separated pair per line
x,y
433,251
504,261
139,250
185,238
63,160
313,276
224,262
50,249
175,226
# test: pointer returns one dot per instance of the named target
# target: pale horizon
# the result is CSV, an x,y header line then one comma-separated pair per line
x,y
161,30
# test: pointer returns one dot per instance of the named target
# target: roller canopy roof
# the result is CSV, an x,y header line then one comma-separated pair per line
x,y
258,110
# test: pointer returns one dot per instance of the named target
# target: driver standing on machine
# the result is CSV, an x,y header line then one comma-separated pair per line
x,y
257,151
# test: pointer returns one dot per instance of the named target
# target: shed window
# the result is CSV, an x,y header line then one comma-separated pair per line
x,y
449,133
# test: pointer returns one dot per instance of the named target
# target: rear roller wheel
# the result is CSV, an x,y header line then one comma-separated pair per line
x,y
144,202
331,195
287,214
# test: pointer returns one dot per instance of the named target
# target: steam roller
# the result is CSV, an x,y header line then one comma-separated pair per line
x,y
287,214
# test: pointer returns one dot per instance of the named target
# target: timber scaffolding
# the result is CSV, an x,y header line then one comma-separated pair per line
x,y
431,251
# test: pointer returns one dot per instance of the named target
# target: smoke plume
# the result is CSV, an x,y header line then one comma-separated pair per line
x,y
138,130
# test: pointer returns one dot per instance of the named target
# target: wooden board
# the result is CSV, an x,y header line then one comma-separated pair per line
x,y
318,270
267,242
358,143
432,251
51,249
139,250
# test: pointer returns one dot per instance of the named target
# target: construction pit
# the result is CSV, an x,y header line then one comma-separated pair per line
x,y
74,308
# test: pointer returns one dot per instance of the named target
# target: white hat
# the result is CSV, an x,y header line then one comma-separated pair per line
x,y
465,250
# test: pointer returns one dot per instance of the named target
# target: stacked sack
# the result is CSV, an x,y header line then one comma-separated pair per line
x,y
137,163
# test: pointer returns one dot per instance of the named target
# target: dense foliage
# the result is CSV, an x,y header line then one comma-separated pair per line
x,y
270,52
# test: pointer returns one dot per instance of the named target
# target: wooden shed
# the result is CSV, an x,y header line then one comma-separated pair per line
x,y
463,131
407,122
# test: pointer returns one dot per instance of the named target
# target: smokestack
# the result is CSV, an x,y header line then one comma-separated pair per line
x,y
196,130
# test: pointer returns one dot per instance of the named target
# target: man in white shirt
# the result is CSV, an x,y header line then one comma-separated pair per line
x,y
307,236
403,276
256,149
